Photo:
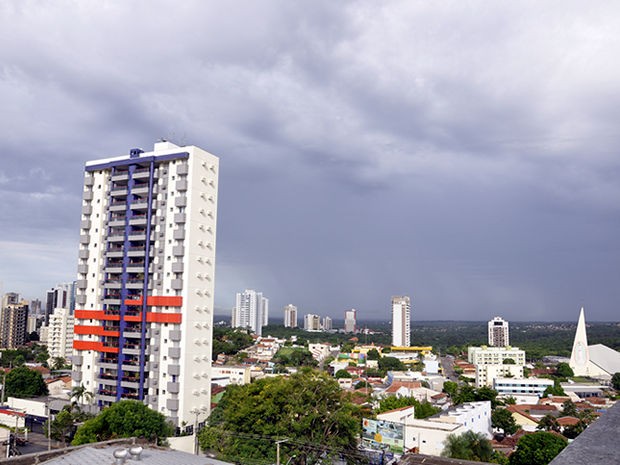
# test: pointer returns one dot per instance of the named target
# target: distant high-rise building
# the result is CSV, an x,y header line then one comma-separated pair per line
x,y
498,333
251,311
327,324
350,321
312,322
290,316
60,334
35,307
13,321
401,321
61,296
144,300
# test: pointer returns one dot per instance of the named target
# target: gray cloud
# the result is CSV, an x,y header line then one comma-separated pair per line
x,y
462,153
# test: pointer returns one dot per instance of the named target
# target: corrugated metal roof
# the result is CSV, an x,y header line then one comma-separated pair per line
x,y
150,456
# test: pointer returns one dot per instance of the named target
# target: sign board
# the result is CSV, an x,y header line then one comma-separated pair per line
x,y
383,434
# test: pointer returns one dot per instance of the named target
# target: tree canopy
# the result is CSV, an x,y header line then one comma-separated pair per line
x,y
564,370
468,446
24,382
229,341
502,418
537,449
615,381
294,357
391,364
555,390
308,408
124,419
422,409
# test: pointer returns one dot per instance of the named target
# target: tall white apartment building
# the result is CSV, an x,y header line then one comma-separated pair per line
x,y
350,321
312,322
60,334
499,335
327,324
290,316
251,311
401,321
144,293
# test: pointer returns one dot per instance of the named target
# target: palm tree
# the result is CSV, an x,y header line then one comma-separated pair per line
x,y
468,446
549,423
81,394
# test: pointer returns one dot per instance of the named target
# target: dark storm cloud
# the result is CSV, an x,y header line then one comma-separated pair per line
x,y
462,153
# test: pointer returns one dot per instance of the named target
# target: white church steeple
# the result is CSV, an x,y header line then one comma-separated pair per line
x,y
580,357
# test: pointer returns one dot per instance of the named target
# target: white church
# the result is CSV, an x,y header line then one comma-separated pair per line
x,y
595,361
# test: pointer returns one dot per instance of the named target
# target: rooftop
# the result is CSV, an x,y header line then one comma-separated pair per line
x,y
104,453
598,444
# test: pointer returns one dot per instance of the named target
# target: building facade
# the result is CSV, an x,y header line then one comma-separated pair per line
x,y
312,322
327,324
521,386
495,355
60,334
61,296
290,316
251,311
144,293
401,321
13,321
350,321
499,334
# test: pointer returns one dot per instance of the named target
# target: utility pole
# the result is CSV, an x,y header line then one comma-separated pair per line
x,y
278,449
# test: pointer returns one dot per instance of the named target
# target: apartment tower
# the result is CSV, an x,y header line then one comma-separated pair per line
x,y
498,333
251,311
290,316
401,321
350,321
13,321
144,293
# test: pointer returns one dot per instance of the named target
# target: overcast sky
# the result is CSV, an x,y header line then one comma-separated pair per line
x,y
463,153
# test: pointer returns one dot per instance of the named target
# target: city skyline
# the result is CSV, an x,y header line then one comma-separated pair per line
x,y
462,154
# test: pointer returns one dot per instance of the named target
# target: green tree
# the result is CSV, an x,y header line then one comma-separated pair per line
x,y
549,423
466,393
294,357
421,409
81,395
468,446
537,449
390,364
124,419
564,370
569,409
450,388
502,418
555,390
486,393
229,341
615,381
373,354
343,374
309,408
58,363
24,382
62,426
509,361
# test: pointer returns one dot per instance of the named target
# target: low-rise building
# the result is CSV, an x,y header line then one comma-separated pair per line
x,y
485,355
428,436
223,375
521,386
